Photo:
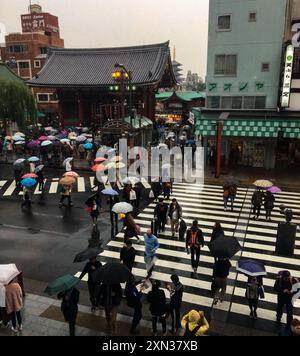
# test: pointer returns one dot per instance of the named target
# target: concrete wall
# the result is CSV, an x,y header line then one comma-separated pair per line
x,y
253,42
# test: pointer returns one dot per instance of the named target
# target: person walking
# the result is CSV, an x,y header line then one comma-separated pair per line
x,y
66,191
225,196
156,188
95,211
41,180
232,192
220,274
174,214
217,231
127,255
257,200
138,192
252,295
194,324
110,298
160,214
194,242
176,294
132,228
167,190
90,268
26,197
151,247
182,230
269,203
133,298
14,304
158,307
69,307
283,287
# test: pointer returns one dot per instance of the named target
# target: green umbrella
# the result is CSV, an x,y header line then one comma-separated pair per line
x,y
61,284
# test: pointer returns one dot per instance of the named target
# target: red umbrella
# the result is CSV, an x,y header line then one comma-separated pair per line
x,y
43,138
99,168
100,159
30,175
71,174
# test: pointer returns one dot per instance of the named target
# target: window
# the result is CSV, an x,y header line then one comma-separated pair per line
x,y
260,102
23,65
37,64
52,97
43,98
226,102
249,102
237,102
224,23
252,16
213,102
226,65
265,67
17,48
44,50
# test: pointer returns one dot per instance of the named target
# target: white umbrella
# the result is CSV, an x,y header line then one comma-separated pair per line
x,y
132,180
19,134
65,140
72,135
122,208
52,138
18,138
19,161
20,143
81,138
69,159
7,274
163,145
46,143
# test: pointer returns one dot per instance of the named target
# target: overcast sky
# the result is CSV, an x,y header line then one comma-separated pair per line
x,y
102,23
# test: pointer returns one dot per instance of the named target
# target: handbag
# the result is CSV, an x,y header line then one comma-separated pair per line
x,y
151,194
132,195
261,292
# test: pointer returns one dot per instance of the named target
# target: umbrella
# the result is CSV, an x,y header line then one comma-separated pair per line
x,y
52,138
88,146
88,254
20,143
122,208
43,138
18,138
110,192
224,247
8,273
162,145
71,174
33,144
46,143
19,161
171,134
90,200
89,140
85,129
65,140
111,150
81,139
116,159
112,273
33,159
72,135
61,284
20,134
251,268
131,180
100,159
88,135
28,182
39,168
99,168
50,128
30,175
274,190
263,184
186,127
67,181
8,137
114,165
69,159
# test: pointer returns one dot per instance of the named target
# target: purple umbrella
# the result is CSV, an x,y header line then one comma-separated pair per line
x,y
251,268
33,144
274,190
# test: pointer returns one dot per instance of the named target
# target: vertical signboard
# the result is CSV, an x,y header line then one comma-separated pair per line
x,y
287,79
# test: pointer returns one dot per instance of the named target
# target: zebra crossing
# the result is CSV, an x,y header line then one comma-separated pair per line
x,y
8,188
257,237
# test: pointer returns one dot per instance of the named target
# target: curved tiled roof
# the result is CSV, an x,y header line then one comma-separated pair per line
x,y
93,67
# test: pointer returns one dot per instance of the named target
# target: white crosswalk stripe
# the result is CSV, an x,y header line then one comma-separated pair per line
x,y
257,236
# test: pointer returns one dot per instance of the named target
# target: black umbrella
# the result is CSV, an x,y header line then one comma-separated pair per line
x,y
88,253
112,273
91,199
224,247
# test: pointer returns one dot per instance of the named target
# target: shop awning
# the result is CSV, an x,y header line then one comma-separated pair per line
x,y
249,127
139,122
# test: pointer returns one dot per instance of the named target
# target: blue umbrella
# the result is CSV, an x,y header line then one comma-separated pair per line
x,y
88,146
110,192
28,182
33,159
251,268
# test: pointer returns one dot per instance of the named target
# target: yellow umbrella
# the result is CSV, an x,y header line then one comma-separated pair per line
x,y
263,183
67,181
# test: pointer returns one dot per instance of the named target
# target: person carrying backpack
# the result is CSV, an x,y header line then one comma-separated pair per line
x,y
194,324
194,241
257,200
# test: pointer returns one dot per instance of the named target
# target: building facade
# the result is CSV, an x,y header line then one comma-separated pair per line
x,y
244,121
